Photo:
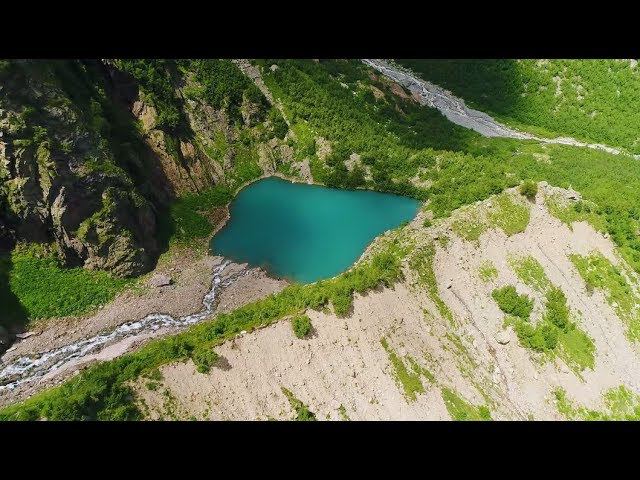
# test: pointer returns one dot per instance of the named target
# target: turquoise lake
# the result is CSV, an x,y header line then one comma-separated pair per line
x,y
306,232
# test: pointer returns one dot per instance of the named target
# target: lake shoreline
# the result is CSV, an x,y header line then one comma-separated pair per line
x,y
190,270
305,235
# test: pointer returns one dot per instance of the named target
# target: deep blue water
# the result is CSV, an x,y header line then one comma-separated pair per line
x,y
306,232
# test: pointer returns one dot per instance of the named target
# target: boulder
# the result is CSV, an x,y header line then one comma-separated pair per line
x,y
22,336
503,337
160,280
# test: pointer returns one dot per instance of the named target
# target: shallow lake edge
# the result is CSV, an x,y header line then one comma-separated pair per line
x,y
265,269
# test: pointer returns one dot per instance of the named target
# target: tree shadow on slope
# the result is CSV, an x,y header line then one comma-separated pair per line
x,y
13,316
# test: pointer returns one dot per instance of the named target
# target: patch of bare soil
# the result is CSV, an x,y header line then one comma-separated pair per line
x,y
323,148
343,368
399,91
252,286
305,171
191,278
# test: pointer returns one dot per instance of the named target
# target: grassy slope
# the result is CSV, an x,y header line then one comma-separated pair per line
x,y
37,287
398,140
596,100
619,403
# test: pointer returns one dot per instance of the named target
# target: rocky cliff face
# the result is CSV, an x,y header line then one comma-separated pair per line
x,y
61,178
88,158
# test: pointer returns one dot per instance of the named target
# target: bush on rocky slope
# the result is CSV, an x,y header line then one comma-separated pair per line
x,y
512,303
301,325
529,189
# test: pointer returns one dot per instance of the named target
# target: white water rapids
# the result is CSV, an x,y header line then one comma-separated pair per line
x,y
29,368
457,112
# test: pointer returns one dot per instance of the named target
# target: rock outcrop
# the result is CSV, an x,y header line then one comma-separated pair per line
x,y
88,159
61,174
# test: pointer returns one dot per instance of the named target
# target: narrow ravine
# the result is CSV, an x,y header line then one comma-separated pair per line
x,y
27,369
454,108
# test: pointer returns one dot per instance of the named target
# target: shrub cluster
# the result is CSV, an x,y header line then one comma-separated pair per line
x,y
301,325
204,357
529,189
510,302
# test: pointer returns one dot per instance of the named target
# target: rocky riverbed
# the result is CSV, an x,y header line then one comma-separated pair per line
x,y
186,291
455,109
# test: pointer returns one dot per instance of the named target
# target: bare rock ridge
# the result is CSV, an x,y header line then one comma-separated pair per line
x,y
398,357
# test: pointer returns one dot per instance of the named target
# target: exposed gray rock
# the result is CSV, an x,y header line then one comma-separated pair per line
x,y
503,337
160,280
22,336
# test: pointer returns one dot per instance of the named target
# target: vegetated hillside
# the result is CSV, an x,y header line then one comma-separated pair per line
x,y
350,128
91,148
103,163
592,100
363,130
447,340
512,308
444,342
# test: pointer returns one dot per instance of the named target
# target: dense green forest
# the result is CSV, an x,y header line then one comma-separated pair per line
x,y
399,140
597,101
391,135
